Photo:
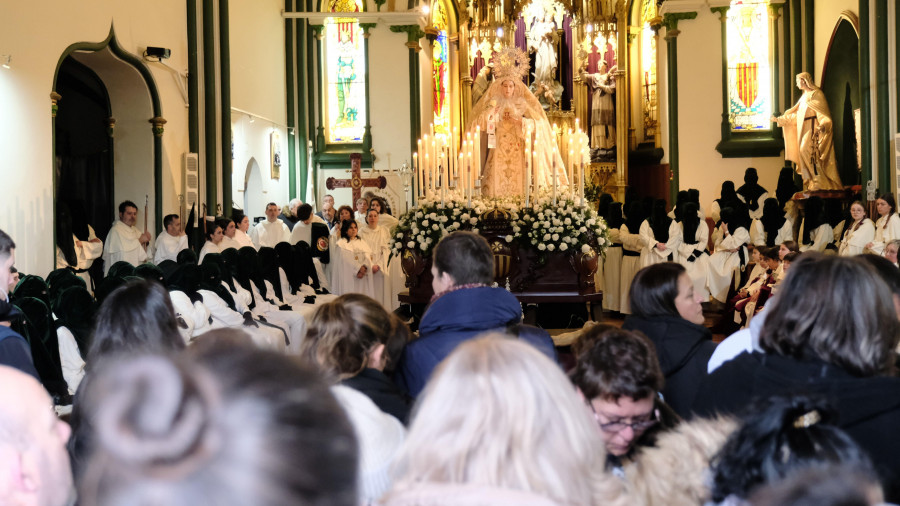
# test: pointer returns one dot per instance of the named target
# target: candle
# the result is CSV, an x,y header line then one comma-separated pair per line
x,y
554,180
416,172
571,171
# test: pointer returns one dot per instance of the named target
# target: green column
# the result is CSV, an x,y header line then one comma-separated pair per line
x,y
209,103
883,132
672,32
865,93
300,130
193,80
413,34
290,93
367,136
225,101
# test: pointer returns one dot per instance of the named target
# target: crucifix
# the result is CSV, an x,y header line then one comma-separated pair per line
x,y
356,183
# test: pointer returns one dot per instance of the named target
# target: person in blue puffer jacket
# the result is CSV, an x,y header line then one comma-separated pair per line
x,y
464,305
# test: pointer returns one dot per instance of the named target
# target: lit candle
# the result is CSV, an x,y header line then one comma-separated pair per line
x,y
554,178
571,171
416,172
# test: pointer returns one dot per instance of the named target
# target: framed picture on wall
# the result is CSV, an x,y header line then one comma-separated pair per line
x,y
275,141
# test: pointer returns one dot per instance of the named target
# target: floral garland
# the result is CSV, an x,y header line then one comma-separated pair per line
x,y
569,225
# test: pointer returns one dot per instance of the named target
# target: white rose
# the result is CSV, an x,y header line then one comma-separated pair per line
x,y
516,230
551,247
546,237
535,225
425,223
419,214
546,224
585,248
411,244
464,217
591,222
509,238
399,236
567,221
434,227
555,237
582,229
429,240
542,246
423,246
432,216
443,219
563,247
473,221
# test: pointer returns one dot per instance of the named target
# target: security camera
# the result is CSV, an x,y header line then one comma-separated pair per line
x,y
161,53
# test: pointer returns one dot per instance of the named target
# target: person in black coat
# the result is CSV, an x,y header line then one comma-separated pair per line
x,y
358,343
665,309
831,331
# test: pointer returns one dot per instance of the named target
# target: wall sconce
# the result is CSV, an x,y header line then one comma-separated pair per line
x,y
6,59
425,9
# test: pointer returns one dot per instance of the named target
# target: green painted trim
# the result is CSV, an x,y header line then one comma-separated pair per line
x,y
883,132
785,103
672,92
797,46
742,144
290,104
670,20
367,135
193,79
300,130
311,100
341,159
809,42
413,32
776,68
319,31
113,44
865,93
225,101
413,115
209,105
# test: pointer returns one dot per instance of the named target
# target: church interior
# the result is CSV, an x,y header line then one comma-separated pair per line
x,y
239,107
571,141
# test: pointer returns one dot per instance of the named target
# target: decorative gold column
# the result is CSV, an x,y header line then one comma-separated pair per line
x,y
622,109
465,79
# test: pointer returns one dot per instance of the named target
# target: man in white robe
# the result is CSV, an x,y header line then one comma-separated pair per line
x,y
270,231
303,232
170,241
125,241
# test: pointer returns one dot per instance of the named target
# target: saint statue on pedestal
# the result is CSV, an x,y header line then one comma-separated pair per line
x,y
809,137
512,119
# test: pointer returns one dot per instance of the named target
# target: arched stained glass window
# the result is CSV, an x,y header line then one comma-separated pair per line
x,y
345,75
749,70
440,70
649,101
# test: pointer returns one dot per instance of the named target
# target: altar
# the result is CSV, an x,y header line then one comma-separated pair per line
x,y
546,252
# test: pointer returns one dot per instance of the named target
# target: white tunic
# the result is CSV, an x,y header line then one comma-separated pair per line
x,y
725,262
269,233
612,273
86,254
759,210
821,237
651,254
856,237
885,233
351,256
168,247
243,240
631,242
758,233
379,242
123,243
698,268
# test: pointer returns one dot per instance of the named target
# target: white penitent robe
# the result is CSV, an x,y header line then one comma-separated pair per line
x,y
86,253
819,238
758,233
856,237
168,247
612,272
632,245
697,265
726,261
351,256
269,233
70,359
303,232
651,254
379,241
209,247
123,243
269,338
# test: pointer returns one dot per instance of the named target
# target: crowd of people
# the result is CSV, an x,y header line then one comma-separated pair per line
x,y
234,377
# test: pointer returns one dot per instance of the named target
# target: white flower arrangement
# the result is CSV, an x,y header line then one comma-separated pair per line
x,y
571,224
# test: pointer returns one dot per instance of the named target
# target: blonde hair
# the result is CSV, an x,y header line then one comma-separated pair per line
x,y
499,413
343,332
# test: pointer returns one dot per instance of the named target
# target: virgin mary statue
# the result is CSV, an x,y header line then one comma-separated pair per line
x,y
508,114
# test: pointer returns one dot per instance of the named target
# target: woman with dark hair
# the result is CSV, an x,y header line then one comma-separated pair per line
x,y
887,227
773,228
779,437
660,235
815,232
665,308
831,331
356,342
353,265
730,255
384,216
215,233
752,194
692,251
632,245
242,225
612,264
344,213
728,198
858,232
222,424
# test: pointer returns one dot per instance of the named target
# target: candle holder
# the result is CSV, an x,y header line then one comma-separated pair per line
x,y
406,174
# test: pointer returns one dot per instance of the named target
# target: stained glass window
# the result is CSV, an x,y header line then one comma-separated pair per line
x,y
440,71
749,72
345,75
648,70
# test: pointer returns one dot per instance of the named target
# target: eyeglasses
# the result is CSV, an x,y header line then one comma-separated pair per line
x,y
637,424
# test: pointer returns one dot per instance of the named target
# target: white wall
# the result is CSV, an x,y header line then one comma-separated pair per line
x,y
258,86
36,38
389,97
826,15
700,114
